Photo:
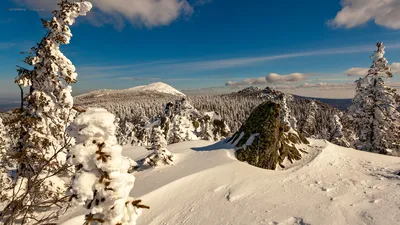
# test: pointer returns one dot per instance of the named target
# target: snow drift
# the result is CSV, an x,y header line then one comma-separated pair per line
x,y
207,185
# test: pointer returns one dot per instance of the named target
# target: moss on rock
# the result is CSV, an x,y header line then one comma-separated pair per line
x,y
274,143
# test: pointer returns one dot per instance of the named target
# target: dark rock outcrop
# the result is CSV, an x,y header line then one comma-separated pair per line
x,y
273,141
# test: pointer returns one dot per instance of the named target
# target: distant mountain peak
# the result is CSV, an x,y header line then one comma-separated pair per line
x,y
157,87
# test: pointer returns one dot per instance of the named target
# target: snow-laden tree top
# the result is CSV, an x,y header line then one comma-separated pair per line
x,y
380,63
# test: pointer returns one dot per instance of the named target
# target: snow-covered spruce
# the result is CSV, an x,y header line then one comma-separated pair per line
x,y
309,127
41,150
49,102
337,132
101,182
160,154
181,125
374,111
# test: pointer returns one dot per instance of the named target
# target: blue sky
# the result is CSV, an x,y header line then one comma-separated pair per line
x,y
206,44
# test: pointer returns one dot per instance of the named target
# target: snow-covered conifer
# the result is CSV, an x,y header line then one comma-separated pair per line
x,y
49,102
181,126
310,121
160,154
101,182
42,148
374,110
337,136
205,131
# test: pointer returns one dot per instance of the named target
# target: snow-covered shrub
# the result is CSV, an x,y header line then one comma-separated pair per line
x,y
374,111
160,154
101,181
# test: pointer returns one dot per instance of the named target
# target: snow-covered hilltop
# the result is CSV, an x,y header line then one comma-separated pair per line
x,y
142,97
157,87
153,88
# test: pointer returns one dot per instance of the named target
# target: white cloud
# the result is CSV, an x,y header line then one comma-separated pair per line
x,y
395,67
356,72
247,82
272,78
149,13
358,12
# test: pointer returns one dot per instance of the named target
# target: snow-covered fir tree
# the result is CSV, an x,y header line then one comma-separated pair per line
x,y
181,126
125,130
158,146
49,102
374,110
101,181
310,122
205,131
41,150
337,135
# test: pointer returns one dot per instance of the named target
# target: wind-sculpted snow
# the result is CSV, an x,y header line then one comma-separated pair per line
x,y
207,186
